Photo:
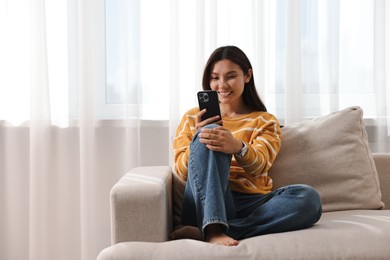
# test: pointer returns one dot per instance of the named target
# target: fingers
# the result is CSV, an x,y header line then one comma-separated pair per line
x,y
219,139
199,123
209,137
215,130
214,139
199,116
212,133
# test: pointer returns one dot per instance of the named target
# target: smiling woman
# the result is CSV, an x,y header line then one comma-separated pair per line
x,y
229,80
228,193
230,72
97,85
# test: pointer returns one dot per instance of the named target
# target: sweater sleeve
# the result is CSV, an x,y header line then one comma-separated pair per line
x,y
181,145
263,147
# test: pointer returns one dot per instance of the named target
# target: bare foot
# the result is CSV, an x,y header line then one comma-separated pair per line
x,y
222,239
187,232
215,235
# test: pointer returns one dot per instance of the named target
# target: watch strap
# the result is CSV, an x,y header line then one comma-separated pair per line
x,y
243,150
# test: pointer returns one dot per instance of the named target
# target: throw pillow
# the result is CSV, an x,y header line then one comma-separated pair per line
x,y
331,154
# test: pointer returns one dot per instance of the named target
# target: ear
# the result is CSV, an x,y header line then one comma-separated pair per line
x,y
248,76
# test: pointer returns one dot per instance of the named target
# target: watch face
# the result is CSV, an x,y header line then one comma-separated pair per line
x,y
244,150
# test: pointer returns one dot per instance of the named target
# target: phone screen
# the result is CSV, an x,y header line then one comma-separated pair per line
x,y
209,99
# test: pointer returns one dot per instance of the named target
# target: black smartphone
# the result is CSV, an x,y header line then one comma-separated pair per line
x,y
209,99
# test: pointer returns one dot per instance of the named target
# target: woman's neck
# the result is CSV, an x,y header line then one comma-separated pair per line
x,y
232,111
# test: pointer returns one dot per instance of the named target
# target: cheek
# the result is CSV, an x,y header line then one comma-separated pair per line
x,y
213,85
238,84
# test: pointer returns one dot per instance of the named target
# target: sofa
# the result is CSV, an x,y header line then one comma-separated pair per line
x,y
330,153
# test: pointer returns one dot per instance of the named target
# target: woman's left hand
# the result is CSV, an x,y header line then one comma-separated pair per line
x,y
220,139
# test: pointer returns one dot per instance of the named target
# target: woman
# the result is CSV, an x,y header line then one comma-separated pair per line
x,y
228,194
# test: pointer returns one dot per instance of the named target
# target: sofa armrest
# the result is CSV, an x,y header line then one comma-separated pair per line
x,y
141,205
382,163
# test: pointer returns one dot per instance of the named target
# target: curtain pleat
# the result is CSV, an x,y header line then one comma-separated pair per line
x,y
61,154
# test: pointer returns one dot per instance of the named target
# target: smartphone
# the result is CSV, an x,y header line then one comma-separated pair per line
x,y
209,99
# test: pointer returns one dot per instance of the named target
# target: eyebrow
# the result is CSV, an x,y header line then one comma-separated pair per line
x,y
227,73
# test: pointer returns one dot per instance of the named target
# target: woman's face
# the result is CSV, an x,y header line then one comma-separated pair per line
x,y
228,79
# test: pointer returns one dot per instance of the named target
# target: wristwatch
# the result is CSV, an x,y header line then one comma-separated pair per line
x,y
243,150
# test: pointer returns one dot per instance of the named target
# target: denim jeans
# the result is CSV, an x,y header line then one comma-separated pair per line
x,y
209,200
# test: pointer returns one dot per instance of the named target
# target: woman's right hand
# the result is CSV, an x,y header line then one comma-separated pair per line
x,y
211,120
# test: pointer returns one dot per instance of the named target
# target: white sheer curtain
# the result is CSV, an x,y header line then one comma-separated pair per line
x,y
92,88
58,158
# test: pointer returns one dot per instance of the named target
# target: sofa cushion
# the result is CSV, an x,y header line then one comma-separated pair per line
x,y
356,234
330,153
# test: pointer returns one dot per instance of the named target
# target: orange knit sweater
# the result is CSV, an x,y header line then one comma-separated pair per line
x,y
261,133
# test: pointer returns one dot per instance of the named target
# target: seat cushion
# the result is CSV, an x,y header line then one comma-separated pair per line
x,y
354,234
330,153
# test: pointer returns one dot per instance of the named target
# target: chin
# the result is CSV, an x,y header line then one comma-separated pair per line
x,y
223,101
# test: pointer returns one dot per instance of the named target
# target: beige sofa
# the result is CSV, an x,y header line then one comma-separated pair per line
x,y
330,153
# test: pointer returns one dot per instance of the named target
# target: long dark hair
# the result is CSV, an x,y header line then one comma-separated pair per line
x,y
236,55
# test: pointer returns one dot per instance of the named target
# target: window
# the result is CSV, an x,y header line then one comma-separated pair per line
x,y
137,57
336,54
151,58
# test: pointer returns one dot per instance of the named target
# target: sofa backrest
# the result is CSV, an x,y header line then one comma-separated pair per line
x,y
382,162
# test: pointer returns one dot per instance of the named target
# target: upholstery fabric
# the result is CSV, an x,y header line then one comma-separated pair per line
x,y
330,153
338,235
142,191
382,163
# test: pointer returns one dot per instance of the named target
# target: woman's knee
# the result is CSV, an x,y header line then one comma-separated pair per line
x,y
306,201
211,126
312,204
195,138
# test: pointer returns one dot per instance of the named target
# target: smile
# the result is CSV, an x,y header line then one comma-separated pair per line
x,y
224,93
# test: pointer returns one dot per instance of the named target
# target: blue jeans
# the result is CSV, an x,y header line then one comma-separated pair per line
x,y
209,200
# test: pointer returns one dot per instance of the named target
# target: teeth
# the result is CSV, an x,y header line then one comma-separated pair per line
x,y
225,93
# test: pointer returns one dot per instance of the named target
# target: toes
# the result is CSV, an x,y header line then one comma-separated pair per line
x,y
232,242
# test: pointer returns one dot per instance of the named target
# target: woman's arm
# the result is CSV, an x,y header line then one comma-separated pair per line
x,y
262,149
181,146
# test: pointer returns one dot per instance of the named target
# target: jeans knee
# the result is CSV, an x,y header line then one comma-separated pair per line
x,y
195,139
211,126
307,202
312,204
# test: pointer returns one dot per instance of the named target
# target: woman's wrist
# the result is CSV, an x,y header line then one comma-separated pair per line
x,y
243,151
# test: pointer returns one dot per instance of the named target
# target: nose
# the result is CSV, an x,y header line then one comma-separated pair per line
x,y
222,82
